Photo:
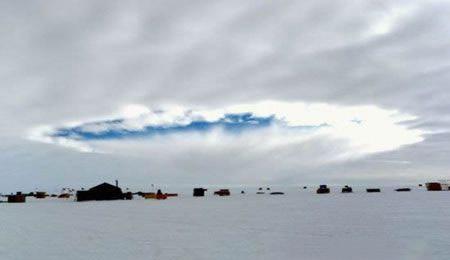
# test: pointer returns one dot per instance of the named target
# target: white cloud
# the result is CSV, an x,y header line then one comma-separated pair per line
x,y
356,130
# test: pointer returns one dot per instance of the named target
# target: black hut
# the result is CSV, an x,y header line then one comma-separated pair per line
x,y
104,191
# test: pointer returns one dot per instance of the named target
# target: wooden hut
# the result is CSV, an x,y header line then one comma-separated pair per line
x,y
347,189
40,195
64,195
433,186
223,192
17,198
199,192
104,191
323,189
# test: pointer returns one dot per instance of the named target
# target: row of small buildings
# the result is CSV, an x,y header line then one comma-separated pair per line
x,y
106,191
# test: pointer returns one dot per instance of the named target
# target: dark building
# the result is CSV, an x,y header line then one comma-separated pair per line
x,y
370,190
199,192
402,189
40,195
18,198
433,186
347,189
104,191
223,192
323,189
128,195
277,193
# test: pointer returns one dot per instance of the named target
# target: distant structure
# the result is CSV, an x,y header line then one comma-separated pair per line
x,y
40,195
199,192
277,193
403,189
371,190
323,189
128,195
64,196
433,186
104,191
347,189
18,198
223,192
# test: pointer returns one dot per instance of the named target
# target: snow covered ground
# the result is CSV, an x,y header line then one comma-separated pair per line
x,y
298,225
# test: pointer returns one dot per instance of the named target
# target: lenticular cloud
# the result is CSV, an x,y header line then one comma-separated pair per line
x,y
271,125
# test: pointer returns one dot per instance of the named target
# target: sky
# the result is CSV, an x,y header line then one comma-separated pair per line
x,y
223,92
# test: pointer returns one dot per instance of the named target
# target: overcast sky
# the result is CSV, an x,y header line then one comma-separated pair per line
x,y
335,92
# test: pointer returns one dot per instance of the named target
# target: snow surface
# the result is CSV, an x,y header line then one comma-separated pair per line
x,y
298,225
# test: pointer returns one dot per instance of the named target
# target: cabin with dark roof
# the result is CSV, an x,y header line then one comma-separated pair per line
x,y
104,191
18,198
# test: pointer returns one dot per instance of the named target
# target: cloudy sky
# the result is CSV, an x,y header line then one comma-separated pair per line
x,y
223,92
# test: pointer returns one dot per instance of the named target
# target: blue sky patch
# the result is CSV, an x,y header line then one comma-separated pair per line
x,y
114,129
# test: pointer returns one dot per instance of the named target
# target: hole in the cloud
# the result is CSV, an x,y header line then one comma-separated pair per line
x,y
363,129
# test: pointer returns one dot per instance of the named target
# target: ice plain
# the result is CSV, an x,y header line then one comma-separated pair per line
x,y
297,225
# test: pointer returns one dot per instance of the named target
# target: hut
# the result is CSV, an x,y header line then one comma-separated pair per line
x,y
199,192
223,192
347,189
128,195
64,195
323,189
160,195
104,191
433,186
40,195
18,198
402,189
371,190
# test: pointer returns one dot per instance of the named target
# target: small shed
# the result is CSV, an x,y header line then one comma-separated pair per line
x,y
18,198
347,189
433,186
199,192
223,192
323,189
403,189
40,195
